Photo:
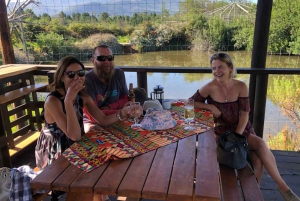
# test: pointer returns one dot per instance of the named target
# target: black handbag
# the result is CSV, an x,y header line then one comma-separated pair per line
x,y
232,151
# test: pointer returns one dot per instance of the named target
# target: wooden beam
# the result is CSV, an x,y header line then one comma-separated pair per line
x,y
258,92
7,50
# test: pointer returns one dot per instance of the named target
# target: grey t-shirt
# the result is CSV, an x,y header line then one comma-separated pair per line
x,y
103,94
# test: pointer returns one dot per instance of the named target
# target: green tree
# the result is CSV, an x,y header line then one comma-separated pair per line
x,y
85,17
50,44
76,17
104,17
220,36
284,25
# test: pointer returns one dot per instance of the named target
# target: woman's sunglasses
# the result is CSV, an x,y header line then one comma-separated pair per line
x,y
71,74
103,58
220,55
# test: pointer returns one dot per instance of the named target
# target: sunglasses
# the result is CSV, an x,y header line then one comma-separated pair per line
x,y
103,58
220,55
71,74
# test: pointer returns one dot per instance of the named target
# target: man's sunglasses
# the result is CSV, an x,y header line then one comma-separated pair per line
x,y
103,58
71,74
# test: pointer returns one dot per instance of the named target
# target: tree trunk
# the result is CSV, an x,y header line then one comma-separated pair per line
x,y
7,50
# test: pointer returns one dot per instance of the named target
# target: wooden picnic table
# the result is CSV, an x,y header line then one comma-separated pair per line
x,y
183,170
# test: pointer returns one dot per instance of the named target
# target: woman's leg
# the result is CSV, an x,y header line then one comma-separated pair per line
x,y
257,165
258,145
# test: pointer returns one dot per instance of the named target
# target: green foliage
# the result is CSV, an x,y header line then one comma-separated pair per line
x,y
82,30
219,34
87,45
151,37
190,27
52,46
287,139
123,39
284,27
285,93
243,29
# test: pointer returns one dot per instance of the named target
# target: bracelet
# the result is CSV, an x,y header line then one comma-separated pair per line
x,y
119,115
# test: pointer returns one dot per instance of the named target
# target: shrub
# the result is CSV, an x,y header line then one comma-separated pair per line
x,y
87,45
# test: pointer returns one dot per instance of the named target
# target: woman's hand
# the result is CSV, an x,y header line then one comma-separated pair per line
x,y
127,110
216,112
72,91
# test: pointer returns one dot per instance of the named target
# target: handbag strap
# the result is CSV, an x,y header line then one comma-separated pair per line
x,y
248,157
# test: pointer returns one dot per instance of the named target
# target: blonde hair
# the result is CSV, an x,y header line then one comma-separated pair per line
x,y
227,59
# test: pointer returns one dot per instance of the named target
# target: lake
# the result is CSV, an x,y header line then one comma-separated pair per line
x,y
178,85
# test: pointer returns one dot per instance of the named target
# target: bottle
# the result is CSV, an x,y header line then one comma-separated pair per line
x,y
131,95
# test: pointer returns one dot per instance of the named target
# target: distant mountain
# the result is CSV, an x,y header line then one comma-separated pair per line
x,y
112,7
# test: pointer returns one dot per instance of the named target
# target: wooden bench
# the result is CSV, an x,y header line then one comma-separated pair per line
x,y
20,113
229,184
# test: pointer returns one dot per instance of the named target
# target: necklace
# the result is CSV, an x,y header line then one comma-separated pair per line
x,y
226,91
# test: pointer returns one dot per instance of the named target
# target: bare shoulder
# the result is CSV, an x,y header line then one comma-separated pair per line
x,y
52,101
53,104
206,89
241,87
239,84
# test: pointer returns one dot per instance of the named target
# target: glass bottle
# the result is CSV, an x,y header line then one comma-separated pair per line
x,y
131,95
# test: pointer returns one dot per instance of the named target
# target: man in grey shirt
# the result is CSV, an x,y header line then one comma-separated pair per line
x,y
105,83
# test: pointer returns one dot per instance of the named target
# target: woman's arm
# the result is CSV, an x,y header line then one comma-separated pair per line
x,y
244,115
68,121
99,116
199,98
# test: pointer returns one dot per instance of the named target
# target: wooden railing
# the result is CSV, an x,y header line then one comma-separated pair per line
x,y
23,88
258,95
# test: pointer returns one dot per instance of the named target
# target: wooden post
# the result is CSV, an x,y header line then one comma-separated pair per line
x,y
7,50
142,80
259,83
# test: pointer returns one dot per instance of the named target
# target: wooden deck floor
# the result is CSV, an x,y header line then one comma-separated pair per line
x,y
287,162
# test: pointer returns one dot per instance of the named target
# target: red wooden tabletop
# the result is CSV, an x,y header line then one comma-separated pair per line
x,y
184,170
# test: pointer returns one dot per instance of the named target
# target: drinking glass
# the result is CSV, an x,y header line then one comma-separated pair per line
x,y
189,113
136,112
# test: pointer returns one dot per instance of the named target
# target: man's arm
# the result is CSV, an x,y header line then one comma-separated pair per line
x,y
119,104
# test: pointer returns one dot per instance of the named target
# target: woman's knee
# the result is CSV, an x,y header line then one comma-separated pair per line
x,y
256,143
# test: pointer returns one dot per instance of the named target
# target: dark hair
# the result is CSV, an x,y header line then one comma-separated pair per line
x,y
225,58
62,65
100,46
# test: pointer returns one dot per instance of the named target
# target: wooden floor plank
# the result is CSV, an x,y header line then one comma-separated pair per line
x,y
156,186
137,172
182,179
207,170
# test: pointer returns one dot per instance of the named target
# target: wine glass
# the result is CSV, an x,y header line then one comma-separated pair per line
x,y
189,113
136,112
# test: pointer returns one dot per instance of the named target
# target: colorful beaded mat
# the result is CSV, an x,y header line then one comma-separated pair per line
x,y
101,144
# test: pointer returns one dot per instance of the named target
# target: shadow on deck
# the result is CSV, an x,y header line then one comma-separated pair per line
x,y
288,164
